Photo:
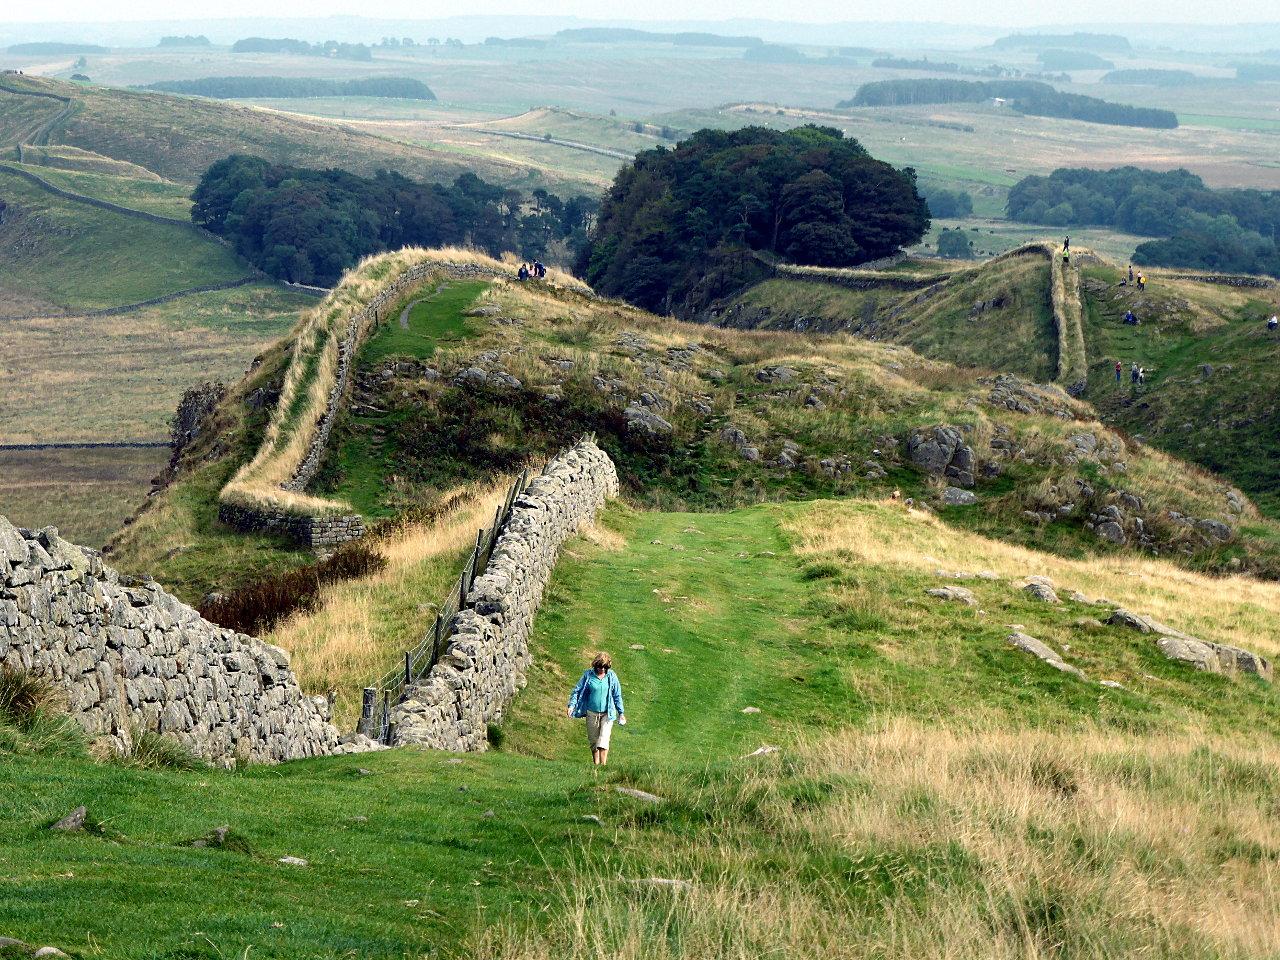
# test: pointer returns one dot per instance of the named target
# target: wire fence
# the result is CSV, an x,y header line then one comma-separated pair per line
x,y
375,716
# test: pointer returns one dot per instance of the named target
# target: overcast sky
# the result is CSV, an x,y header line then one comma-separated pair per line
x,y
1013,13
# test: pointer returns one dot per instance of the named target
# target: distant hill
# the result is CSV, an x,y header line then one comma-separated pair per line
x,y
233,88
1155,78
53,46
1073,60
626,35
1264,72
1102,42
180,137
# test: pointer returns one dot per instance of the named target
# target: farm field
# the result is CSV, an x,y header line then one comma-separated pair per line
x,y
120,378
79,257
86,493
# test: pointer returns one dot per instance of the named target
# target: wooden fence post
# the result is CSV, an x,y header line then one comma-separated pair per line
x,y
408,677
365,726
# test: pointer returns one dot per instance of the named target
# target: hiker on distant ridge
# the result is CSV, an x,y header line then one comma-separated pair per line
x,y
598,698
1134,374
1066,244
1130,318
1142,281
1142,375
1119,370
523,273
1273,323
539,269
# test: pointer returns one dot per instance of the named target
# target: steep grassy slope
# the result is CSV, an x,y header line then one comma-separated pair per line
x,y
996,318
1211,364
179,137
937,792
72,256
1213,373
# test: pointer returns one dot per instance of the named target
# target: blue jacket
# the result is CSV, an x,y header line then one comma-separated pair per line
x,y
615,695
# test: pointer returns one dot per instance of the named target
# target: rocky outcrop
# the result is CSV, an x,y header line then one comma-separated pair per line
x,y
1201,654
133,658
487,654
942,451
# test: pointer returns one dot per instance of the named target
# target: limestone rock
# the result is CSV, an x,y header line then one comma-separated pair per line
x,y
73,822
643,420
955,497
957,594
1038,648
642,795
1041,588
942,451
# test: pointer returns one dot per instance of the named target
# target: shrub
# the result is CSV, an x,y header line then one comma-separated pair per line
x,y
23,696
258,607
154,751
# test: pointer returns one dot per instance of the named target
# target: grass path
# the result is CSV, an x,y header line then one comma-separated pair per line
x,y
814,613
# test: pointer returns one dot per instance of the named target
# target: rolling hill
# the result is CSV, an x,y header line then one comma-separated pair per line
x,y
869,720
179,137
1211,382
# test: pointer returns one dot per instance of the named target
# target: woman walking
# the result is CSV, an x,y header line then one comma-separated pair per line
x,y
598,698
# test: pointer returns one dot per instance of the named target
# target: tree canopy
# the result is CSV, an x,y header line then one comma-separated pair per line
x,y
308,226
806,195
1211,229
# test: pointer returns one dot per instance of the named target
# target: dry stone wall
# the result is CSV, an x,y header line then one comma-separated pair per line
x,y
488,646
325,532
133,658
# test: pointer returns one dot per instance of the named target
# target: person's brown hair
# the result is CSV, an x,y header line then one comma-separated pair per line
x,y
601,662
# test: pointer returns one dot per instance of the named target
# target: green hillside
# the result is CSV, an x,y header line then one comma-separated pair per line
x,y
936,790
1211,364
180,137
850,756
72,256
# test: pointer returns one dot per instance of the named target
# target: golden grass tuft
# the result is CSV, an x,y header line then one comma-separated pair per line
x,y
942,843
360,627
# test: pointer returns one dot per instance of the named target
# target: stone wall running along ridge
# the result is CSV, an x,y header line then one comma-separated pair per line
x,y
488,641
133,658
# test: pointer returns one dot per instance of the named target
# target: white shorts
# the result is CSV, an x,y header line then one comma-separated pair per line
x,y
599,726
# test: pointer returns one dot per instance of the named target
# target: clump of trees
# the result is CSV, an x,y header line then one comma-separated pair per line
x,y
1232,230
948,204
308,226
773,53
955,245
232,88
330,48
691,222
1026,96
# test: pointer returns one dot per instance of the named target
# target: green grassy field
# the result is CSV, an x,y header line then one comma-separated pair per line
x,y
83,258
150,196
870,688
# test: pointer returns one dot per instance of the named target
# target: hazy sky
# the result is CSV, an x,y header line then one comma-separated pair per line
x,y
1013,13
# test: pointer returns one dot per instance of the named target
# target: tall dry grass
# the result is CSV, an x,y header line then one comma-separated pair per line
x,y
359,628
937,843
